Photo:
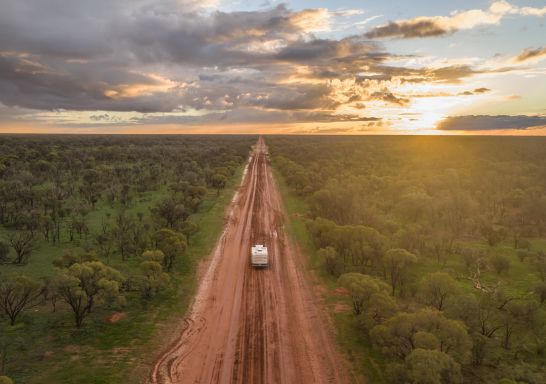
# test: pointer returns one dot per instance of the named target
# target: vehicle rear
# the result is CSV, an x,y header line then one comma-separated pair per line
x,y
259,256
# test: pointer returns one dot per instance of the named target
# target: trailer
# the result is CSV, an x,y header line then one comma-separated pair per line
x,y
259,256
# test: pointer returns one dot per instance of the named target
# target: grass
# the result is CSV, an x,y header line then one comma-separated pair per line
x,y
40,264
45,347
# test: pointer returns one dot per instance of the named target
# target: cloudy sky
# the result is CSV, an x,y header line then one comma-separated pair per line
x,y
300,66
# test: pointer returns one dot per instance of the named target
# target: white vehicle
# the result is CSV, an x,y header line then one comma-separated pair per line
x,y
258,255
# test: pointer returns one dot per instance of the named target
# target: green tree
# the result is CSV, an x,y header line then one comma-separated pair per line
x,y
5,380
332,262
361,288
466,308
540,291
493,235
152,278
432,367
104,243
517,315
397,263
436,288
84,285
218,181
17,293
539,265
398,336
172,244
4,252
500,263
189,228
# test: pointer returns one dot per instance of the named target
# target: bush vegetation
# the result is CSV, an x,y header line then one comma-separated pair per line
x,y
93,228
439,245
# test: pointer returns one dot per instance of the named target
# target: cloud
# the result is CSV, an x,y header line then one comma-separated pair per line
x,y
161,58
476,91
486,123
407,29
257,116
167,55
482,90
388,97
458,20
531,54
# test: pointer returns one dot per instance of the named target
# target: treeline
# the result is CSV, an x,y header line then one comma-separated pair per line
x,y
439,243
109,215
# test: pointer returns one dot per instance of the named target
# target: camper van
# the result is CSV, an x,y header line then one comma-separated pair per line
x,y
258,256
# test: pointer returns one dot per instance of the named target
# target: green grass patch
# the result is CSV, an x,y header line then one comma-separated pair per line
x,y
46,348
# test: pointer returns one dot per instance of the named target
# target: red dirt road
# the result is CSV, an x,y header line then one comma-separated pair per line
x,y
253,325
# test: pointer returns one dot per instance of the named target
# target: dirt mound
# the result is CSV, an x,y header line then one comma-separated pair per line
x,y
115,317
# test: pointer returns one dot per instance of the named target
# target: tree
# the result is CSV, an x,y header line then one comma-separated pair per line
x,y
361,288
397,263
540,291
436,288
218,181
470,257
152,279
378,309
332,262
442,244
17,293
479,348
488,315
4,252
432,367
172,244
83,285
493,235
189,228
401,334
516,315
23,244
524,254
123,235
500,263
539,265
5,380
104,244
465,308
170,212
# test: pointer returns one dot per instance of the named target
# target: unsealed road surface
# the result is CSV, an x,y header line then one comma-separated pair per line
x,y
251,325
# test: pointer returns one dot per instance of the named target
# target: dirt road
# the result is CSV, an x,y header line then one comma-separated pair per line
x,y
253,325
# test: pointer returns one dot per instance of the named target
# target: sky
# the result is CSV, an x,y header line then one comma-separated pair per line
x,y
292,67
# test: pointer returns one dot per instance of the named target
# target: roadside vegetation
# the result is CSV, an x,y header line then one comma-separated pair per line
x,y
431,250
99,239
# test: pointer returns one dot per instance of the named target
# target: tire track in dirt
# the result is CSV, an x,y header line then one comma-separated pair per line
x,y
251,325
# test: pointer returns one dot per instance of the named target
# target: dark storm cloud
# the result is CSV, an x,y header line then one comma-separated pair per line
x,y
485,123
408,29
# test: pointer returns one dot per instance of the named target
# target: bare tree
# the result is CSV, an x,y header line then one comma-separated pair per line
x,y
18,292
23,244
